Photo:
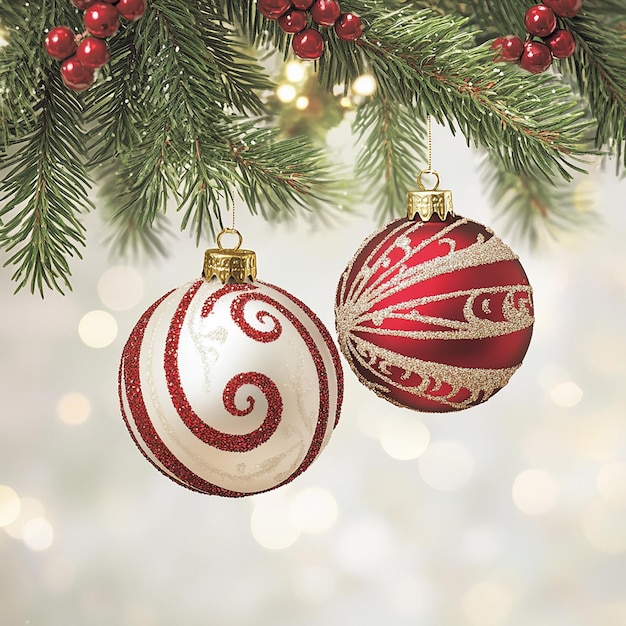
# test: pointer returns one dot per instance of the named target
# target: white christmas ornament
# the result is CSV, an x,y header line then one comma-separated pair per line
x,y
228,385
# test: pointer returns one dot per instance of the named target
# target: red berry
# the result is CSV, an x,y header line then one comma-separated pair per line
x,y
60,42
293,22
510,48
561,43
75,75
325,12
308,44
537,57
93,53
273,9
348,27
102,20
131,9
83,4
564,8
540,20
303,5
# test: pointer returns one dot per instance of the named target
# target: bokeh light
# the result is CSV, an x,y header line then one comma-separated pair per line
x,y
30,509
272,524
489,603
605,527
314,510
286,93
364,85
121,288
446,465
9,505
97,329
74,408
302,103
535,492
611,482
38,534
403,436
295,71
566,394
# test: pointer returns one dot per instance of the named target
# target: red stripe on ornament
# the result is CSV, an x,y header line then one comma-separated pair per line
x,y
129,376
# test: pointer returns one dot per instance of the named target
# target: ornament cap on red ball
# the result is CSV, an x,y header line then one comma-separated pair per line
x,y
349,27
60,42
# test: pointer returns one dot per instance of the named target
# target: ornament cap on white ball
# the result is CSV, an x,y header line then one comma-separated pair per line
x,y
228,385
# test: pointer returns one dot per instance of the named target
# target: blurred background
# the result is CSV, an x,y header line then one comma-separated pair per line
x,y
508,514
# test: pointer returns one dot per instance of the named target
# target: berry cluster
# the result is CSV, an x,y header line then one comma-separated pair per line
x,y
540,21
83,54
293,17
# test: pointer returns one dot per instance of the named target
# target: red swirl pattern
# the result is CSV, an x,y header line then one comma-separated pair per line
x,y
237,311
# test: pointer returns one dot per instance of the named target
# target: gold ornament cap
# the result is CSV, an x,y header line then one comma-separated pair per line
x,y
228,264
428,202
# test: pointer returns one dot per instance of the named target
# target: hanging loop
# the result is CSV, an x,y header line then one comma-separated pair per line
x,y
429,172
229,231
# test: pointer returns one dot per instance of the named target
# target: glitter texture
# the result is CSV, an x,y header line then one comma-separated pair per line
x,y
230,434
434,316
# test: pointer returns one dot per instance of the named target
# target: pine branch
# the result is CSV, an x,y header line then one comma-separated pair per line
x,y
42,192
533,208
393,145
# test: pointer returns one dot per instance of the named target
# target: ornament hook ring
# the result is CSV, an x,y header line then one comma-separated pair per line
x,y
229,231
434,173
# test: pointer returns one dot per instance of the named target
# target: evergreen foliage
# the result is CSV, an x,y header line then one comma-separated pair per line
x,y
181,116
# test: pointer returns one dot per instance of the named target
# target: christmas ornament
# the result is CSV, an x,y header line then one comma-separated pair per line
x,y
75,75
510,48
228,385
434,312
349,27
325,12
294,21
132,10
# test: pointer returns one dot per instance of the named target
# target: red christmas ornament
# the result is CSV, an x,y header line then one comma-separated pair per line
x,y
102,20
230,388
536,58
293,22
510,48
302,5
434,315
561,43
308,44
565,8
325,12
273,9
349,27
93,53
60,42
540,20
75,75
131,9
